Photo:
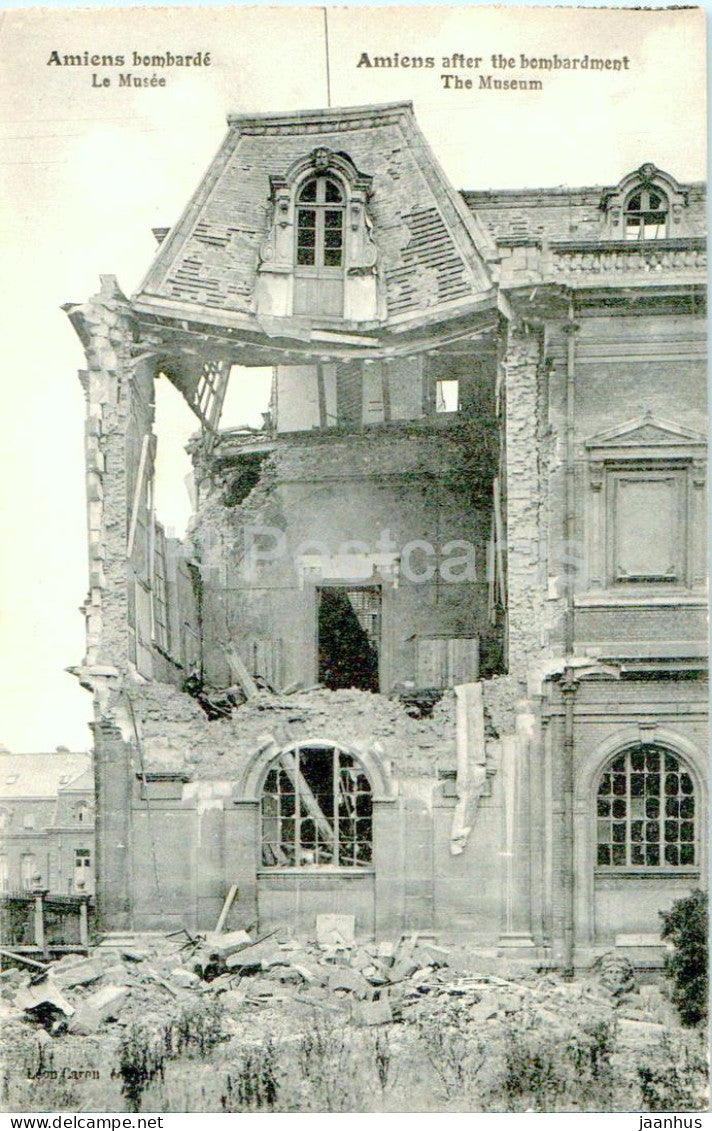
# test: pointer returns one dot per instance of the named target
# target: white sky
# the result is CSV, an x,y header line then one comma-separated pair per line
x,y
87,173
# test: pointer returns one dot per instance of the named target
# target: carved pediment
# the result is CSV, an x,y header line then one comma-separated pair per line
x,y
646,432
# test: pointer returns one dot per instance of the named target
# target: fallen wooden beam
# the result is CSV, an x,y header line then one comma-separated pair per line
x,y
229,900
239,673
290,766
27,961
138,491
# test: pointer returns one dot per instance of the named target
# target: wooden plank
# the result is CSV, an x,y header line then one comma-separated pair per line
x,y
499,541
239,673
291,769
229,900
27,961
138,491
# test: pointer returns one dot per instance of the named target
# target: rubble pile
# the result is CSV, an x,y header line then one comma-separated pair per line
x,y
409,730
368,983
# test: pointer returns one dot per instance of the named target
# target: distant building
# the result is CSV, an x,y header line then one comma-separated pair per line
x,y
47,822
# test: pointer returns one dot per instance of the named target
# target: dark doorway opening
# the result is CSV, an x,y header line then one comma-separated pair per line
x,y
349,636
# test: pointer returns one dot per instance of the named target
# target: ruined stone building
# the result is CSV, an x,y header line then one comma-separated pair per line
x,y
433,652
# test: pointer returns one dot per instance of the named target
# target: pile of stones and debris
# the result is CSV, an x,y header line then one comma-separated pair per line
x,y
118,982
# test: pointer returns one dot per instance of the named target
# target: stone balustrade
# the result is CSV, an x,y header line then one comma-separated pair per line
x,y
535,260
620,258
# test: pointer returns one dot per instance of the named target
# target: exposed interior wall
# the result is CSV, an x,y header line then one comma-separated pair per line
x,y
141,607
272,530
352,394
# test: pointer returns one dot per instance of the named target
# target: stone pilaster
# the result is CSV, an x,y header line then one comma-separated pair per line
x,y
526,573
113,786
517,770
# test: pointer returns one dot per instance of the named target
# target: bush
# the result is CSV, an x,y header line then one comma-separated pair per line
x,y
457,1053
685,925
674,1076
142,1057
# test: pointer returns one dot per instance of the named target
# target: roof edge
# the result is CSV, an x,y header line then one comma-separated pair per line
x,y
482,196
340,113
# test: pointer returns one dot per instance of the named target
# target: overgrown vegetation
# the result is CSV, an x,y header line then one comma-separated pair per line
x,y
142,1057
685,925
456,1053
253,1084
674,1077
146,1046
546,1072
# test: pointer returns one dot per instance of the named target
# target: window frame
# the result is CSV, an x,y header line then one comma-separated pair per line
x,y
685,768
645,210
300,845
320,287
660,471
320,206
27,881
82,812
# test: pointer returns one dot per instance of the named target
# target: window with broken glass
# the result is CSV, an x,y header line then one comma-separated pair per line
x,y
646,811
316,810
646,216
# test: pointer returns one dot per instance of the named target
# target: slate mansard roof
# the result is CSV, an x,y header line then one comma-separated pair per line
x,y
560,213
41,776
437,248
427,239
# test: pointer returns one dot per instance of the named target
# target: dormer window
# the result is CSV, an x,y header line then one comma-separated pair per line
x,y
318,259
647,204
646,215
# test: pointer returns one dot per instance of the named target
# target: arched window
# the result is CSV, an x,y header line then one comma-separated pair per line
x,y
645,811
319,253
646,213
81,813
320,224
316,810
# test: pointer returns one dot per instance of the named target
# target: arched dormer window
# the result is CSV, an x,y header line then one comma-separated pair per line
x,y
81,813
318,258
647,204
646,815
646,214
